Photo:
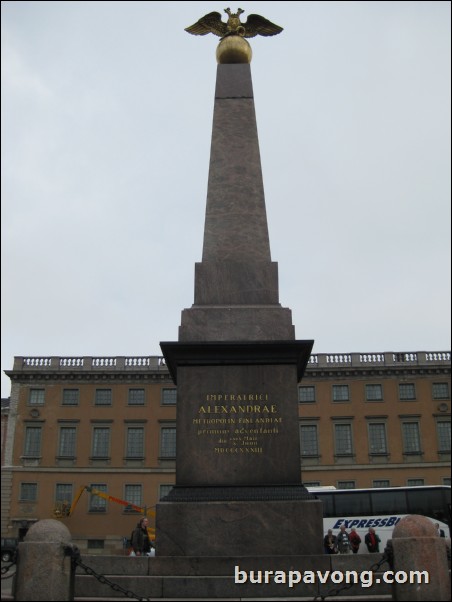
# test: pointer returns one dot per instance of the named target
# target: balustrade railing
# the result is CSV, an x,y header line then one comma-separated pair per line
x,y
157,362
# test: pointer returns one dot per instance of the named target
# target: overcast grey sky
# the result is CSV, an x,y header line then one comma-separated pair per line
x,y
106,125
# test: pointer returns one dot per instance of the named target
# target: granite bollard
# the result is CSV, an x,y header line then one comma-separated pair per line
x,y
417,547
44,570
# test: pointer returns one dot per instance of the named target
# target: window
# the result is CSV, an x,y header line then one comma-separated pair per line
x,y
443,430
343,439
36,397
133,494
432,504
66,447
71,397
447,481
377,438
309,441
63,499
97,503
384,502
135,442
311,484
407,391
28,492
101,442
169,397
346,484
164,490
440,391
349,503
103,397
380,483
136,397
374,393
168,442
340,393
415,482
63,493
306,394
411,438
33,441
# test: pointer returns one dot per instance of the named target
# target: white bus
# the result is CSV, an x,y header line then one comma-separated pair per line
x,y
382,508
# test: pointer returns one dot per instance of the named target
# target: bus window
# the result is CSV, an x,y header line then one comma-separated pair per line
x,y
431,505
388,502
352,504
327,501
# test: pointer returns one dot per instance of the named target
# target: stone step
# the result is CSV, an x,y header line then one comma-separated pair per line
x,y
213,588
87,588
224,565
213,578
280,599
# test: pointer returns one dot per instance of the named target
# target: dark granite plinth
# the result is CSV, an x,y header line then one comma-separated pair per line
x,y
237,420
239,528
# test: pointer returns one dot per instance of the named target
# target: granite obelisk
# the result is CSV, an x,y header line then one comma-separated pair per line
x,y
237,364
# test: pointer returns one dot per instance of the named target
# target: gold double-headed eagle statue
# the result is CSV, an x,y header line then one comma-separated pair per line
x,y
233,48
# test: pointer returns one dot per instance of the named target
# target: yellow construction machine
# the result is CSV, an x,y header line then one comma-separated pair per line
x,y
64,509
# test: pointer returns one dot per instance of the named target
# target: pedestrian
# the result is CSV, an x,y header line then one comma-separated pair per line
x,y
372,541
355,540
141,543
330,543
343,541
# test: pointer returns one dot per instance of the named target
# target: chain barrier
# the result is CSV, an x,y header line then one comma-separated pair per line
x,y
5,569
76,560
335,591
74,552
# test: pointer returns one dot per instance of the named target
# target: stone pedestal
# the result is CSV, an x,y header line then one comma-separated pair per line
x,y
238,487
418,548
237,420
44,569
240,528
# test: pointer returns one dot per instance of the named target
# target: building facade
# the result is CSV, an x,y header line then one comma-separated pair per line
x,y
365,420
5,414
376,420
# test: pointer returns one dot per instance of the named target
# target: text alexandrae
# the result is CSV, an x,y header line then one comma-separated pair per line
x,y
237,423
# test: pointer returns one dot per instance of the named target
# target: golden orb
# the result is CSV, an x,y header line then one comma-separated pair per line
x,y
234,49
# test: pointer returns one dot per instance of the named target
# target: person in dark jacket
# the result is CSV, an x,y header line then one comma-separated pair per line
x,y
141,543
372,541
330,543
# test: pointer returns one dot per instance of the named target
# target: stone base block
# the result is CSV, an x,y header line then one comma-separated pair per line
x,y
257,528
233,323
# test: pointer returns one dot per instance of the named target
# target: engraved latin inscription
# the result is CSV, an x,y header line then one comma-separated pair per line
x,y
237,423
